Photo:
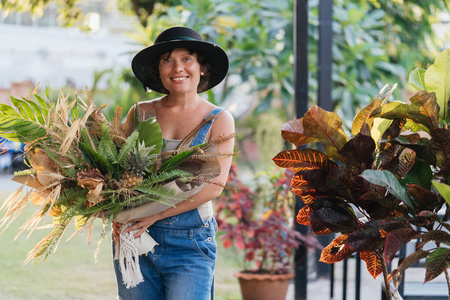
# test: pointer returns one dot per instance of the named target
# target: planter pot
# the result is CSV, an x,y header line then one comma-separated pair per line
x,y
264,286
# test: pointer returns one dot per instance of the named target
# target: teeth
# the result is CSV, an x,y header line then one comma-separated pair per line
x,y
178,78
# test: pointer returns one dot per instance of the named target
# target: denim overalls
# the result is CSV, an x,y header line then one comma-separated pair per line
x,y
182,266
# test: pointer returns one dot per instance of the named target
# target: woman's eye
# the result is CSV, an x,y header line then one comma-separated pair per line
x,y
187,59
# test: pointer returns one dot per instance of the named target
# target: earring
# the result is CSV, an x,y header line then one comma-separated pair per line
x,y
201,74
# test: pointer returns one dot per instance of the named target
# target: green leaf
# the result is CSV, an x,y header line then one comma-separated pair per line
x,y
24,108
87,139
437,262
417,78
37,112
125,150
106,146
379,128
437,80
15,128
150,134
420,174
95,159
443,189
45,107
8,110
386,179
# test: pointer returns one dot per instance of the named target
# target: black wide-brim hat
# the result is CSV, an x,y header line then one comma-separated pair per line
x,y
179,37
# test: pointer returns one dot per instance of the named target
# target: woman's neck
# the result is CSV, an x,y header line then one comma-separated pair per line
x,y
181,100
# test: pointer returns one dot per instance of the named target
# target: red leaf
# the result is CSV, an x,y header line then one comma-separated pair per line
x,y
303,159
336,251
250,256
293,132
373,263
395,240
239,244
302,216
227,243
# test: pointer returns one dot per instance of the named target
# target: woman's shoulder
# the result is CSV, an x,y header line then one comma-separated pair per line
x,y
224,121
149,105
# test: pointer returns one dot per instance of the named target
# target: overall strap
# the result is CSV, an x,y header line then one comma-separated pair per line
x,y
201,135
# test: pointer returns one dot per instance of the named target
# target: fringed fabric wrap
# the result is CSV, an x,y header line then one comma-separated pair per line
x,y
128,249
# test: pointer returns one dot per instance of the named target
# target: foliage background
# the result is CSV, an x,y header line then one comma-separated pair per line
x,y
374,42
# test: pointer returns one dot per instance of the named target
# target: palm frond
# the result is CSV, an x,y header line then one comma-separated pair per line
x,y
125,150
162,177
157,193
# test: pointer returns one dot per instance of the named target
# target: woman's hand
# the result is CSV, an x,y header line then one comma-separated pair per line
x,y
116,229
142,224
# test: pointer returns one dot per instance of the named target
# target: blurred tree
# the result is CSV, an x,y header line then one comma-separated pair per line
x,y
374,42
70,12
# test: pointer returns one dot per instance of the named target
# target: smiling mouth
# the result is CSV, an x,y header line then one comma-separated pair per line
x,y
179,78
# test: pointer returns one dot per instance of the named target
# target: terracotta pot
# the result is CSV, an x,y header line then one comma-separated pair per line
x,y
264,286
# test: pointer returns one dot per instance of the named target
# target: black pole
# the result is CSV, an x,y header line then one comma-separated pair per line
x,y
358,277
325,54
301,57
301,106
344,280
332,281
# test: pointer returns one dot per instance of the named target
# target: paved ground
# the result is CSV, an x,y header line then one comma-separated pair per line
x,y
319,289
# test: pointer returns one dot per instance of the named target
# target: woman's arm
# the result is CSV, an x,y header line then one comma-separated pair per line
x,y
222,126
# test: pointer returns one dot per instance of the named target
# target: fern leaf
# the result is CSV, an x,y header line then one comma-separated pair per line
x,y
126,149
179,157
162,177
157,194
106,146
157,191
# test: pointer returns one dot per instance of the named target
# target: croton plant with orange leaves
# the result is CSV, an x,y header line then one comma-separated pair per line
x,y
392,168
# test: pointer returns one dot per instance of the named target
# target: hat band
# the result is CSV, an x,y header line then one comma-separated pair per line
x,y
181,37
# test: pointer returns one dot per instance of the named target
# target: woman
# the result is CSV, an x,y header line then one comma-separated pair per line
x,y
181,65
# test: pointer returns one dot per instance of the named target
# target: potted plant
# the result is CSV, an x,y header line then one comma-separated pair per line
x,y
393,166
258,221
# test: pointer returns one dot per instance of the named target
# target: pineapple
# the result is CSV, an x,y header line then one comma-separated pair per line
x,y
140,160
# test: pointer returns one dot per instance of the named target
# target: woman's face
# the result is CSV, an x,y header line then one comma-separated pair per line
x,y
180,71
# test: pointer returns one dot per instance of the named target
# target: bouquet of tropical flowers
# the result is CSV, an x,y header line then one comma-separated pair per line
x,y
83,166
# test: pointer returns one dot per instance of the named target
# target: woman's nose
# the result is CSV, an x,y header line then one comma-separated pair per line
x,y
178,66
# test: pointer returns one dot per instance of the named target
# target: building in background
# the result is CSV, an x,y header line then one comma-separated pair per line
x,y
36,50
